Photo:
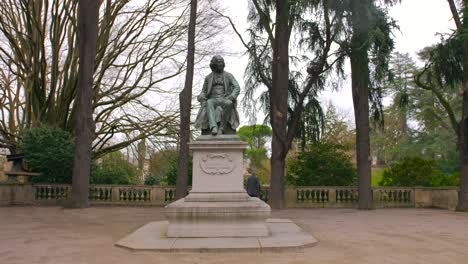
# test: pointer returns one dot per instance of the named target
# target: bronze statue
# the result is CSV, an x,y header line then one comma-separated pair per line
x,y
218,98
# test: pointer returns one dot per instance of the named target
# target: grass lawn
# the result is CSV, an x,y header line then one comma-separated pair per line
x,y
376,176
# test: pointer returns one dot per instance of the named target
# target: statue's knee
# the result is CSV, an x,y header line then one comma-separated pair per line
x,y
210,101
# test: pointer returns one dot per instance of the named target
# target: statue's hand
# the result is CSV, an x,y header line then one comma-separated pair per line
x,y
201,98
230,98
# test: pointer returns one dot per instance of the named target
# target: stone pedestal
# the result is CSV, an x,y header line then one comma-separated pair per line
x,y
217,205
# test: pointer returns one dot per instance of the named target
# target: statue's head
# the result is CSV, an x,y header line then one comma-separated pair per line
x,y
217,64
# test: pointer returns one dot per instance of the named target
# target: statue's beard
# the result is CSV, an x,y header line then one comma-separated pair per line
x,y
218,69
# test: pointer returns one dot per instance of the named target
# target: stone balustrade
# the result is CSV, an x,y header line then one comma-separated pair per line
x,y
296,197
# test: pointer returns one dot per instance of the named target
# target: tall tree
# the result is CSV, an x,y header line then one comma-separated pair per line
x,y
185,99
370,45
88,18
447,67
272,23
401,85
279,102
360,88
462,32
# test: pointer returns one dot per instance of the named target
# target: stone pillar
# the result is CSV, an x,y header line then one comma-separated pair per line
x,y
217,205
115,194
22,194
331,198
291,197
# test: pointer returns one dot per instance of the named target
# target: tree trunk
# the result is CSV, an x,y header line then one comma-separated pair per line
x,y
88,15
463,193
141,160
185,99
360,88
279,104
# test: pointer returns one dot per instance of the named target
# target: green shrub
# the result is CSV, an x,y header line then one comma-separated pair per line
x,y
414,171
324,165
152,180
113,168
49,151
170,178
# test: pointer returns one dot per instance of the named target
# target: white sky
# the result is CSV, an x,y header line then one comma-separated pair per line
x,y
419,22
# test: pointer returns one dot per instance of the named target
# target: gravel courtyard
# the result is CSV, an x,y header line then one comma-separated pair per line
x,y
56,235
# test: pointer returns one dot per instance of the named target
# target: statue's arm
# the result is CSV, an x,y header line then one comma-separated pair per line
x,y
202,96
235,87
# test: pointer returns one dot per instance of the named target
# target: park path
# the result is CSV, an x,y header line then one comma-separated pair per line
x,y
55,235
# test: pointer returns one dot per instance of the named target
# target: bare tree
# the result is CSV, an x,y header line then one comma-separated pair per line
x,y
185,98
137,54
88,17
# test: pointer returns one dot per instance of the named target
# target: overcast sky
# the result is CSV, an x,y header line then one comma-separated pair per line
x,y
419,22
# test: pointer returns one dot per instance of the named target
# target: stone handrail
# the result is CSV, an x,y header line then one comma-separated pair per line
x,y
108,194
296,196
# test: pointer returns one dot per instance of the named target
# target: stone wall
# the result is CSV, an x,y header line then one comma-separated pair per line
x,y
445,197
296,197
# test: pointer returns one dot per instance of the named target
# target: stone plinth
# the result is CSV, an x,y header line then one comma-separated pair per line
x,y
284,236
217,205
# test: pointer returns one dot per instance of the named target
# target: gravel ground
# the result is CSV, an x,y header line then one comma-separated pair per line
x,y
56,235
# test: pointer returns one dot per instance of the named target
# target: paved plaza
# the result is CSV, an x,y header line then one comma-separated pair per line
x,y
56,235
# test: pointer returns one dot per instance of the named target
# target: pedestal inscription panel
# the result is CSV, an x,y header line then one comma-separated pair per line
x,y
217,163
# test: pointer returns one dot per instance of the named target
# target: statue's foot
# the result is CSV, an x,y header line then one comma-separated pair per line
x,y
214,131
